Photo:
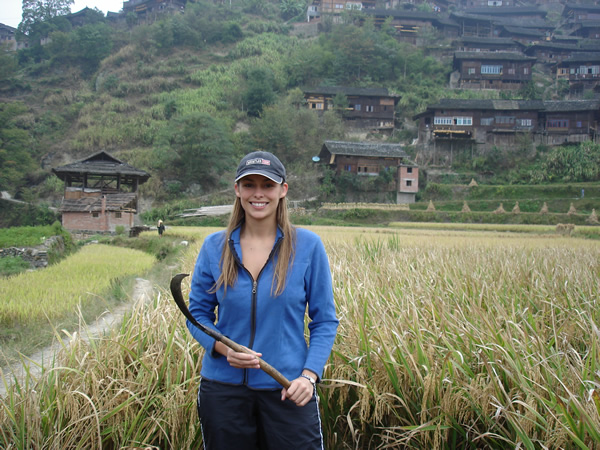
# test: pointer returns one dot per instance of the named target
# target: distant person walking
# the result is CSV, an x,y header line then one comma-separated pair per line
x,y
161,228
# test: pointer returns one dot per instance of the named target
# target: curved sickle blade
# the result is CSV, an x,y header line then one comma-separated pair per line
x,y
178,297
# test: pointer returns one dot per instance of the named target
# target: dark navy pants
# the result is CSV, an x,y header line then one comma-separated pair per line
x,y
238,418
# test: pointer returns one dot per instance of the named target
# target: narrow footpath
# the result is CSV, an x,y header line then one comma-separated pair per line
x,y
143,291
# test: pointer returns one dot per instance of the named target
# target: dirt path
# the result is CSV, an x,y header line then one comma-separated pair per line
x,y
142,291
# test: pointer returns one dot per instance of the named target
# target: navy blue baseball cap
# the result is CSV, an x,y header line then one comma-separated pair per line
x,y
261,163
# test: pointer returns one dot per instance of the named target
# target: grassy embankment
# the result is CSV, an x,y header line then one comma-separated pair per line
x,y
447,340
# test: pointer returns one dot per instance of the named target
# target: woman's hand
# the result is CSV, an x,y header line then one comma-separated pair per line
x,y
239,360
300,391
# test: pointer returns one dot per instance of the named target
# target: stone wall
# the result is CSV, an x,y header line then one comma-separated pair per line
x,y
36,256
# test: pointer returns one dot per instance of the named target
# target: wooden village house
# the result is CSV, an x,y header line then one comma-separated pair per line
x,y
492,22
581,70
493,70
368,108
408,24
454,125
150,9
100,193
371,159
480,44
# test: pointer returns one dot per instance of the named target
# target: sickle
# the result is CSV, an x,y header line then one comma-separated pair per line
x,y
178,297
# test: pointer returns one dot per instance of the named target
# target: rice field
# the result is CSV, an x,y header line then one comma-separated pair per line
x,y
32,297
447,339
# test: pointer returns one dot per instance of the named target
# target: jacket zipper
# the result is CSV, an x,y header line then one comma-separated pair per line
x,y
254,291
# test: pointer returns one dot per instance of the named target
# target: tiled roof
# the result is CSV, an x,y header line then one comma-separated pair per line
x,y
507,11
493,56
491,41
511,105
333,90
365,149
572,105
524,31
100,163
114,202
583,57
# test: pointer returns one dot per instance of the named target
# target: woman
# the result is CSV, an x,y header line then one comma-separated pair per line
x,y
259,275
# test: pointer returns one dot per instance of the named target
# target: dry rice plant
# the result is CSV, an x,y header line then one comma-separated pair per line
x,y
449,342
446,340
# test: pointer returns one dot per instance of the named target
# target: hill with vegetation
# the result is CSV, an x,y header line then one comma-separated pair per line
x,y
185,96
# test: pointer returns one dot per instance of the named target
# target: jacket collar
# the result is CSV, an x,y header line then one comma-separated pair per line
x,y
235,234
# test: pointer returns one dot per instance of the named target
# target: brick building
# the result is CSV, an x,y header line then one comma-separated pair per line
x,y
100,193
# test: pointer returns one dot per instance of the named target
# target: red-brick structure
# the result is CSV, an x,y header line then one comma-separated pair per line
x,y
100,193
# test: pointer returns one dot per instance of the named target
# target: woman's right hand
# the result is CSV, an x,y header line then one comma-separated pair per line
x,y
239,360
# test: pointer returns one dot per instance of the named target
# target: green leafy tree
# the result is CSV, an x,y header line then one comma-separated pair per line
x,y
259,91
291,8
573,163
15,144
340,103
198,147
35,12
8,64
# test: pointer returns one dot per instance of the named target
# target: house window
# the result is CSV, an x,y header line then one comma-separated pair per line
x,y
95,214
487,121
471,70
357,107
511,71
118,215
408,183
348,168
409,170
369,108
464,121
339,6
494,70
505,119
525,70
525,122
579,124
442,121
557,123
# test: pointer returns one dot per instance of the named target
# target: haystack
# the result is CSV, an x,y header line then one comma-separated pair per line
x,y
500,209
566,229
516,209
465,207
572,210
430,207
473,183
593,219
544,209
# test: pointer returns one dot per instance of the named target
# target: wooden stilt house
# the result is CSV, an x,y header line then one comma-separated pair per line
x,y
100,193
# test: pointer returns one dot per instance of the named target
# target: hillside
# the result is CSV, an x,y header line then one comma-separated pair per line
x,y
185,96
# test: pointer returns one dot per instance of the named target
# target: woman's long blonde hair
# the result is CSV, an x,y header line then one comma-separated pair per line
x,y
285,253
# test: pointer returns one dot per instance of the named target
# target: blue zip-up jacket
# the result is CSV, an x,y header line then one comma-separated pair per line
x,y
251,316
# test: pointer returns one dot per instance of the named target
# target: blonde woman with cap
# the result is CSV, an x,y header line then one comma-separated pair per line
x,y
261,275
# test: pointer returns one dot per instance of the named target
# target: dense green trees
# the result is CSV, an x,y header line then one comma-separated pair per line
x,y
572,163
85,46
195,149
15,147
37,17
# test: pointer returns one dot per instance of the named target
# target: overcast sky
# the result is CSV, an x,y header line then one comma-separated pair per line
x,y
11,12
